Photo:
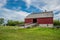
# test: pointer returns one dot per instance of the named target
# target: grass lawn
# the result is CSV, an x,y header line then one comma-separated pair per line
x,y
16,33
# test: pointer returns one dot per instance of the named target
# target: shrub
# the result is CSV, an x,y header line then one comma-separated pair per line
x,y
14,23
56,22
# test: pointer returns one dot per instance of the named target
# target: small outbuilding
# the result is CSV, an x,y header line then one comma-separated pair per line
x,y
43,19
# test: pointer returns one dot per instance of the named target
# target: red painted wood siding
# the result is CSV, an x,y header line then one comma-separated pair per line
x,y
45,20
29,20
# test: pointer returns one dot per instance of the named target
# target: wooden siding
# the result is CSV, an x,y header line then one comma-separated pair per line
x,y
45,20
27,21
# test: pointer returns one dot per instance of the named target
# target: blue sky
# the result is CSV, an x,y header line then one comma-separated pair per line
x,y
19,9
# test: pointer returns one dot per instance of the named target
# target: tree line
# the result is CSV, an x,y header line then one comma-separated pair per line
x,y
10,22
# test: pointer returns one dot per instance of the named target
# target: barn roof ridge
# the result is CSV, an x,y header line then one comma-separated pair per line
x,y
42,12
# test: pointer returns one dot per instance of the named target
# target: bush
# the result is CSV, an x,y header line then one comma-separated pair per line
x,y
56,22
14,23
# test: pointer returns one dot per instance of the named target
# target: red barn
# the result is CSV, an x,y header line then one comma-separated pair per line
x,y
43,19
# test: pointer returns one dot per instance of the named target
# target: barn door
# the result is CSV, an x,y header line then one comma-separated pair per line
x,y
34,20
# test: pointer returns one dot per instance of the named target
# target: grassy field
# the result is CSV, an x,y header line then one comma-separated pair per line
x,y
16,33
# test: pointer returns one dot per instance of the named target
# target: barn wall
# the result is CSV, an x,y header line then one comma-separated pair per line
x,y
48,20
28,21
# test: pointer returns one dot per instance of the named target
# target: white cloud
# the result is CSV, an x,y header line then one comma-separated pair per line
x,y
57,16
28,3
13,15
49,4
2,3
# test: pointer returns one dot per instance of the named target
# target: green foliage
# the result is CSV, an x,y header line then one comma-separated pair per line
x,y
56,22
1,21
16,33
14,23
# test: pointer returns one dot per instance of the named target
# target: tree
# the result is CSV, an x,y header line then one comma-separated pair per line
x,y
13,23
1,21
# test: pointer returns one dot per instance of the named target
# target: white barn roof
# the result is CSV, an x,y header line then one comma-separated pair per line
x,y
40,15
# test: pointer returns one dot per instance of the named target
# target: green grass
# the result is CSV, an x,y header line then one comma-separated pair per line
x,y
16,33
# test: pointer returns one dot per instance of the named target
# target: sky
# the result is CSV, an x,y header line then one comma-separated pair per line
x,y
19,9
